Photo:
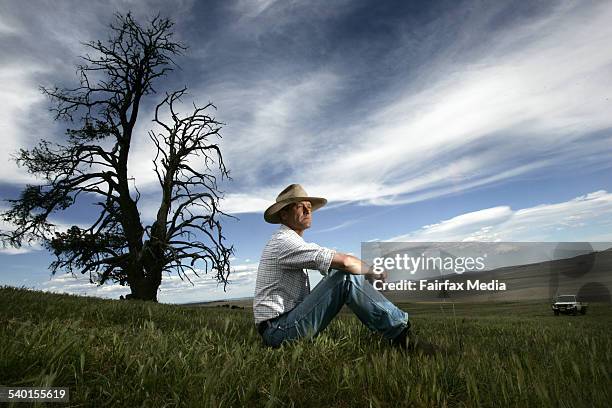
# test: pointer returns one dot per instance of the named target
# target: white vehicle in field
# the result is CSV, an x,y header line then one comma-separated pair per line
x,y
569,304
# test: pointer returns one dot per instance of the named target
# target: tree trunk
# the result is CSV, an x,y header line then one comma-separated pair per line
x,y
149,266
144,289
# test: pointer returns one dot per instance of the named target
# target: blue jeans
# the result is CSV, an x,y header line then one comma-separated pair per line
x,y
317,310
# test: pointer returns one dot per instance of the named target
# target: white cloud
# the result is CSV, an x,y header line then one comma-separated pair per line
x,y
45,45
527,100
524,99
253,8
8,28
172,290
21,250
257,17
262,141
18,93
572,220
79,285
274,122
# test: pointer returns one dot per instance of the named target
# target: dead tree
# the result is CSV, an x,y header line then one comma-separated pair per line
x,y
186,235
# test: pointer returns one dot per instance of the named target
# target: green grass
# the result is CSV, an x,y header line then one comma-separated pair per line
x,y
120,353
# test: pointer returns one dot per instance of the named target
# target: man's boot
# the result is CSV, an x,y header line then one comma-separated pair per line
x,y
407,341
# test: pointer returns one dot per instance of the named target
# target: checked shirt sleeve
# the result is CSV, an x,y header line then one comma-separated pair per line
x,y
294,252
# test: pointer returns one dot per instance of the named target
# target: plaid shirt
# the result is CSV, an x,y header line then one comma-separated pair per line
x,y
282,283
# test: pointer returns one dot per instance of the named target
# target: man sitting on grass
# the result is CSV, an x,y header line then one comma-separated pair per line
x,y
285,309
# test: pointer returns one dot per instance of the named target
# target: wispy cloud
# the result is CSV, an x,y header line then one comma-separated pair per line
x,y
584,218
41,44
408,113
19,94
524,100
340,226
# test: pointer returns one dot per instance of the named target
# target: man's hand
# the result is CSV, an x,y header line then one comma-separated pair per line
x,y
356,266
372,276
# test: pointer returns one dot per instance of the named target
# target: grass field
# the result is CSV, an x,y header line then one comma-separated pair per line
x,y
120,353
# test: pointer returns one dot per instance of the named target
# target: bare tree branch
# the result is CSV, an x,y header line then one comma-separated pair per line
x,y
113,79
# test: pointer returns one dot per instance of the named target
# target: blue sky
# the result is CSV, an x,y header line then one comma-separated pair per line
x,y
416,120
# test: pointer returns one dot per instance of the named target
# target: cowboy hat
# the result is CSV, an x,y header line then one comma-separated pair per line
x,y
292,194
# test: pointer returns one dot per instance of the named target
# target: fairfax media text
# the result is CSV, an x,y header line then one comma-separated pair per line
x,y
446,285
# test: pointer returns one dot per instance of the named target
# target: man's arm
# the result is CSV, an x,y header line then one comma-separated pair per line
x,y
349,263
355,266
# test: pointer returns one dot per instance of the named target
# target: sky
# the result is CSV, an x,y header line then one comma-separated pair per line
x,y
418,121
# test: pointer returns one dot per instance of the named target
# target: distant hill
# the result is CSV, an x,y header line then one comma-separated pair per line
x,y
238,302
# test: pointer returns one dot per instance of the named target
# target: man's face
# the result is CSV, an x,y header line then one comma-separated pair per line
x,y
297,216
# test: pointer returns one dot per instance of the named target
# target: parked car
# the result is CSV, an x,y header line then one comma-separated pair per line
x,y
569,304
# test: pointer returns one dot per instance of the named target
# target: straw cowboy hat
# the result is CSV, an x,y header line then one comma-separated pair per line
x,y
292,194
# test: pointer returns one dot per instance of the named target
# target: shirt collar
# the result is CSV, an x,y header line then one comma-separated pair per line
x,y
284,228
